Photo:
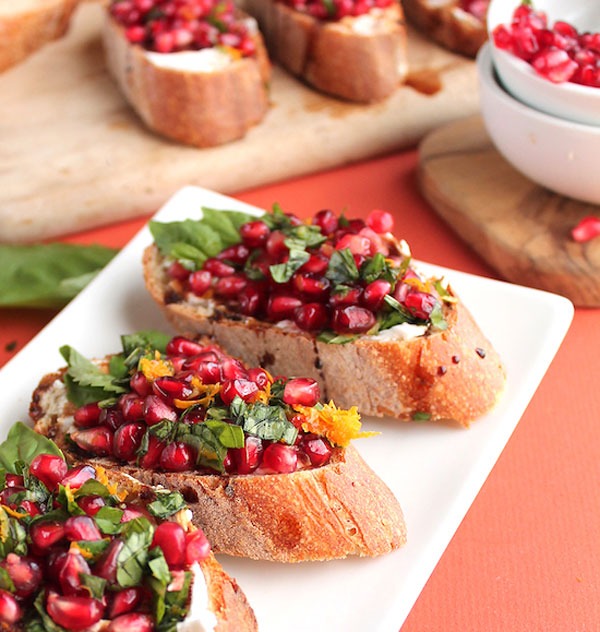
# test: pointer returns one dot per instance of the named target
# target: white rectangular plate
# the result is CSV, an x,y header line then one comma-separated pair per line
x,y
434,470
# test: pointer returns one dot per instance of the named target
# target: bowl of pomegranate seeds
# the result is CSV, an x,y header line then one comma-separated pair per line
x,y
547,54
551,151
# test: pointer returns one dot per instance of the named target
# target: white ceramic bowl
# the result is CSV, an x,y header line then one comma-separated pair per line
x,y
568,100
557,154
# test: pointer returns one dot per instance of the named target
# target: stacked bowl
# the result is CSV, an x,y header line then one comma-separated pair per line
x,y
546,127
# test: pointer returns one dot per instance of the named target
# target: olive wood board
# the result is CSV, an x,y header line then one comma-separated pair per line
x,y
520,228
74,156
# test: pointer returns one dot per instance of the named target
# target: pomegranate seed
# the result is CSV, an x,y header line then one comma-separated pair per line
x,y
178,271
156,410
135,34
106,566
586,229
208,372
81,528
301,391
260,377
10,611
127,439
197,547
25,574
357,244
170,537
14,480
124,601
177,457
317,264
352,320
237,254
131,622
231,286
69,576
420,304
87,416
275,245
280,458
313,287
200,282
91,504
312,317
49,468
179,345
169,388
555,65
245,389
164,43
380,221
139,384
45,534
151,459
327,221
254,234
282,307
112,418
73,612
351,297
233,369
218,268
131,512
131,406
77,476
317,449
247,459
30,507
375,293
97,441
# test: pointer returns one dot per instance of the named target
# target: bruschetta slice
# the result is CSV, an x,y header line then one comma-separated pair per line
x,y
458,25
337,300
268,472
353,50
84,548
195,71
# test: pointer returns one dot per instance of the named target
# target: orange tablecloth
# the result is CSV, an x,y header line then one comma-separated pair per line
x,y
527,555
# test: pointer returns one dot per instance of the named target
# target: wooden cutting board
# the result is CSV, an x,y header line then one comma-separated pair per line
x,y
73,155
518,227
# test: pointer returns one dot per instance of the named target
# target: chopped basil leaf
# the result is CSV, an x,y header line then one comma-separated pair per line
x,y
108,520
92,487
93,548
23,444
149,340
6,583
197,238
305,235
166,504
46,624
164,430
437,318
277,219
330,337
226,223
283,272
94,584
267,422
132,558
421,416
377,267
342,267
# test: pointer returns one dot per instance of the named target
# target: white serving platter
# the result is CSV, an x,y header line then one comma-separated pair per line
x,y
435,470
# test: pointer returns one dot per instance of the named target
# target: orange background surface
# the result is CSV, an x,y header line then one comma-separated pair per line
x,y
527,555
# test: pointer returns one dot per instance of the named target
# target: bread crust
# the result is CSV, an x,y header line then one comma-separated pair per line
x,y
25,29
448,24
203,109
329,512
336,57
453,374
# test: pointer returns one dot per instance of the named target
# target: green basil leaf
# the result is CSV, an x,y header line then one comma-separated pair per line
x,y
85,381
149,340
24,444
283,272
166,504
159,567
6,583
376,267
308,235
108,520
277,219
342,267
92,487
438,321
47,275
133,557
95,585
45,621
229,435
93,548
227,223
267,422
331,338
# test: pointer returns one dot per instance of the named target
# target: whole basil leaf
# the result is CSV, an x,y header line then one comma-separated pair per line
x,y
133,557
48,275
24,444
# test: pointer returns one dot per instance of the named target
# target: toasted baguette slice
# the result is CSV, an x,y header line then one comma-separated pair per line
x,y
453,374
339,509
448,24
215,600
26,25
360,59
203,108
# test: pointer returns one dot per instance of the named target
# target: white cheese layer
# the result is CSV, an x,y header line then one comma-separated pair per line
x,y
206,60
200,617
403,331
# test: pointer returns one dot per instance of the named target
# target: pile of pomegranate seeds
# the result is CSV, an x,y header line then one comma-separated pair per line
x,y
169,26
74,552
336,9
334,277
192,407
477,8
558,53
